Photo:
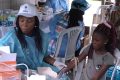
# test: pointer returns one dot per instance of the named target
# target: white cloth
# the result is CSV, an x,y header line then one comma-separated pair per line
x,y
60,65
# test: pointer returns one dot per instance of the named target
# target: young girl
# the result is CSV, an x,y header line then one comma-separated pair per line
x,y
100,53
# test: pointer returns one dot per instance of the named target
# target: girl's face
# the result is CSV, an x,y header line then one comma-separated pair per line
x,y
98,41
26,24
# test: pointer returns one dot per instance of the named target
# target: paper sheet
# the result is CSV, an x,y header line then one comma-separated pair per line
x,y
8,57
37,77
5,49
47,71
5,54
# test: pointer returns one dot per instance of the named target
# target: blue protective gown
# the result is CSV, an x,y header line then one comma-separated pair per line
x,y
58,5
30,56
54,22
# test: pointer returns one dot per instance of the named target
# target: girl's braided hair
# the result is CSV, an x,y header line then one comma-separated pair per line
x,y
109,32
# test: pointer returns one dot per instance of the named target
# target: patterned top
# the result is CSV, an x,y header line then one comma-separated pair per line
x,y
61,24
113,13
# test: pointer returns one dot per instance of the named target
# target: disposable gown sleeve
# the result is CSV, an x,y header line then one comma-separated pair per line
x,y
11,40
46,38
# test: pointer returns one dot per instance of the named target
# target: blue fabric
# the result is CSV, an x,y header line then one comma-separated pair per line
x,y
52,24
82,2
57,25
58,4
110,71
30,56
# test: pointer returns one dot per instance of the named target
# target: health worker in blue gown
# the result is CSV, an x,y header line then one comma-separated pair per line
x,y
29,42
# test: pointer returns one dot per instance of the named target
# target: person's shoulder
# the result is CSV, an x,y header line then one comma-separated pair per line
x,y
108,55
108,58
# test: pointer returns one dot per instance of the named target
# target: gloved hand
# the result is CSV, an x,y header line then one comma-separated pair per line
x,y
59,65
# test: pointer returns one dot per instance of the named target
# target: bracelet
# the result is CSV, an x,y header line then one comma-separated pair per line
x,y
77,59
76,62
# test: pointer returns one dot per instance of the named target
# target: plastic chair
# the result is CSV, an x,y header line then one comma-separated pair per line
x,y
72,34
80,65
117,55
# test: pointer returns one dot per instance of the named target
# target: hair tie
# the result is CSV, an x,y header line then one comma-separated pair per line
x,y
108,25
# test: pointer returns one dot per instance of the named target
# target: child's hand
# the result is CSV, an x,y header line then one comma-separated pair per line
x,y
70,65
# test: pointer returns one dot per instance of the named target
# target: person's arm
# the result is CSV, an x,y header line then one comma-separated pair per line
x,y
83,54
49,60
54,62
101,72
108,60
71,64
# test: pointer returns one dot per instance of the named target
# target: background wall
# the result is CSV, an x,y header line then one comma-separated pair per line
x,y
4,4
14,4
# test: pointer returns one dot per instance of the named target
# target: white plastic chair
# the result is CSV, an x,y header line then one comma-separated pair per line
x,y
117,63
80,65
72,34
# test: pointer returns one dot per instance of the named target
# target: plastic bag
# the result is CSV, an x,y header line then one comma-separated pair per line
x,y
8,69
51,75
8,72
116,75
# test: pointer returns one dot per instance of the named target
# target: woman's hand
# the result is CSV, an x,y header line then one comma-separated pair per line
x,y
70,65
59,65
